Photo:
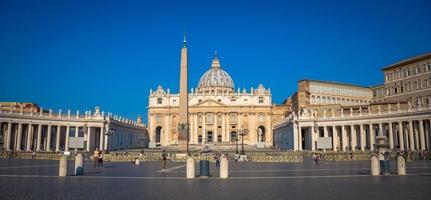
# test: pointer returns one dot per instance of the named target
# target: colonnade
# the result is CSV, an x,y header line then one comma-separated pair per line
x,y
403,135
49,137
49,132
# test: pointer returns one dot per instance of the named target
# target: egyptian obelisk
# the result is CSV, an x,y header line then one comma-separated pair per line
x,y
183,128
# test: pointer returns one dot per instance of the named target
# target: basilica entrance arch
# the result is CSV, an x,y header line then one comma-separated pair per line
x,y
233,136
261,134
158,134
210,136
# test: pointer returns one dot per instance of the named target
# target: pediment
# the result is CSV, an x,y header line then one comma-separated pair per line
x,y
209,103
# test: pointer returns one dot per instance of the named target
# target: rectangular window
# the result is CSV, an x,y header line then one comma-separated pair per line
x,y
260,99
159,100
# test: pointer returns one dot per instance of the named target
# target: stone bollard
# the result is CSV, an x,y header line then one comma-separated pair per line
x,y
375,166
224,167
63,166
401,165
79,164
190,168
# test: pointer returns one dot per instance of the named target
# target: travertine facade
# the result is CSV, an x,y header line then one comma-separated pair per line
x,y
217,112
44,130
409,80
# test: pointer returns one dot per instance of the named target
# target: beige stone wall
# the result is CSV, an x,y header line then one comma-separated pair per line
x,y
409,81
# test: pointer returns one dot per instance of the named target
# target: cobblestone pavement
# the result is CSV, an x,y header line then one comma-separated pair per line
x,y
37,179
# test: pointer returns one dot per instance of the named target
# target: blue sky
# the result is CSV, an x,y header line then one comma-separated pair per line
x,y
79,54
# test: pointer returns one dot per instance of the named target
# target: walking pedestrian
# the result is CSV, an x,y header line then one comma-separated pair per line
x,y
316,158
217,159
96,158
163,164
100,160
33,154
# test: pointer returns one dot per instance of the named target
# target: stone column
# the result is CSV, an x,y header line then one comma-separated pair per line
x,y
295,137
106,139
421,134
334,138
391,136
411,137
416,135
228,127
427,139
88,138
102,133
66,143
48,139
344,137
76,131
401,135
204,126
29,136
215,128
362,135
39,137
57,139
8,137
223,127
380,129
299,138
372,137
353,137
195,129
19,137
312,136
325,131
406,135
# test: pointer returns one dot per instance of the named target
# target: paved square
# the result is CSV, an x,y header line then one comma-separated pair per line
x,y
37,179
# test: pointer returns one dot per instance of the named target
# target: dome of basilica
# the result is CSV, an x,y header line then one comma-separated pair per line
x,y
216,79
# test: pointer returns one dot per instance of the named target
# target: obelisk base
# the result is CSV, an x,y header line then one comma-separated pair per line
x,y
182,140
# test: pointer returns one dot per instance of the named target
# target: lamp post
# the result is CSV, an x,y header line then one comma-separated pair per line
x,y
242,132
107,133
236,140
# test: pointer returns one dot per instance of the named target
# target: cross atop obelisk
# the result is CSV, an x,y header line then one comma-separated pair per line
x,y
183,128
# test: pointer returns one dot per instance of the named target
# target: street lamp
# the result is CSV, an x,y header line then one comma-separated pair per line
x,y
242,132
109,144
236,141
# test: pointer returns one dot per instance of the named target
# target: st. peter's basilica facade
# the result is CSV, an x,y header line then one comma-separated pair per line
x,y
218,114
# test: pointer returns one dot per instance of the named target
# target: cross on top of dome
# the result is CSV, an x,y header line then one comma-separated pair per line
x,y
216,61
